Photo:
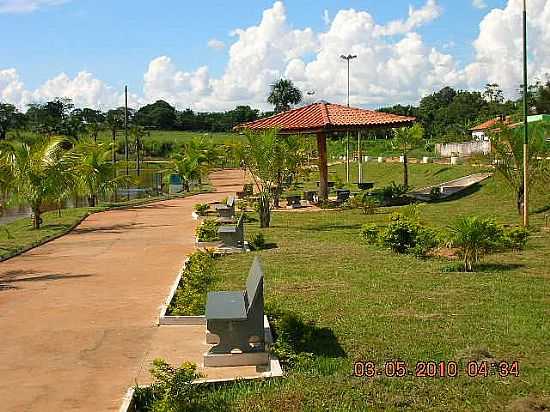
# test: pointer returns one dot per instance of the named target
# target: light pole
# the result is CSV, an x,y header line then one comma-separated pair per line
x,y
126,154
525,122
348,58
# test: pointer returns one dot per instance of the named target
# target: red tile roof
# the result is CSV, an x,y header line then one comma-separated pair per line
x,y
325,117
491,123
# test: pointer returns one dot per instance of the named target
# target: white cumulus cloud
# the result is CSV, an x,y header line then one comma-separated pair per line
x,y
394,63
479,4
216,44
27,6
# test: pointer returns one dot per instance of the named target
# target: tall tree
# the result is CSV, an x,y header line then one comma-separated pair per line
x,y
8,119
283,95
406,139
159,114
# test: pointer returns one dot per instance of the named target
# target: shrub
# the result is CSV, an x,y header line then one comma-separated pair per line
x,y
258,241
172,389
474,237
197,277
201,208
368,204
207,231
405,234
388,193
516,238
370,232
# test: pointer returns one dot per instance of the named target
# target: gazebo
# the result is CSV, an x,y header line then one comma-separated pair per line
x,y
321,119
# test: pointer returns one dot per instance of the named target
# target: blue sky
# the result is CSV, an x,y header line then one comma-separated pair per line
x,y
116,40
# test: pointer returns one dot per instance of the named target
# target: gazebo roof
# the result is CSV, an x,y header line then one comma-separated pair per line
x,y
323,116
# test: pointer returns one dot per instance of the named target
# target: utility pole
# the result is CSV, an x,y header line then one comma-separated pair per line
x,y
525,123
348,58
126,154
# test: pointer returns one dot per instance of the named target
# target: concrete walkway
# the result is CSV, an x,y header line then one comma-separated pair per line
x,y
77,315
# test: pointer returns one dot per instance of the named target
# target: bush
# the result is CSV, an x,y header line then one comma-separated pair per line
x,y
172,389
389,193
207,231
258,241
517,238
475,237
197,276
201,208
370,232
368,204
405,234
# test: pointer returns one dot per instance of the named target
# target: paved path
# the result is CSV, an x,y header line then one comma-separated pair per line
x,y
77,315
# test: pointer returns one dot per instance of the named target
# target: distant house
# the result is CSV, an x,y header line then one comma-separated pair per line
x,y
479,132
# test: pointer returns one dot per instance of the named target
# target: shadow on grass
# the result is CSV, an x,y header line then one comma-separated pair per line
x,y
327,227
295,338
464,193
442,170
483,268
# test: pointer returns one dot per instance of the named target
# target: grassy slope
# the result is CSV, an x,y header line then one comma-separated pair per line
x,y
383,306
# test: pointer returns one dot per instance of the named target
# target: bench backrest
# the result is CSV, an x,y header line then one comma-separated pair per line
x,y
255,285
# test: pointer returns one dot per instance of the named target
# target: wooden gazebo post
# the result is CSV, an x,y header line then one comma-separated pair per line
x,y
323,165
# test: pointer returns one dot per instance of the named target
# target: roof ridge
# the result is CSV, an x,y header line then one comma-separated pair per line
x,y
325,114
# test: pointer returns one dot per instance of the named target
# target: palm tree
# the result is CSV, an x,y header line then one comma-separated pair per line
x,y
36,174
507,146
187,167
474,237
406,139
94,171
283,95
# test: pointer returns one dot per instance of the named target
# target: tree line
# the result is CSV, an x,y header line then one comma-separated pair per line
x,y
449,114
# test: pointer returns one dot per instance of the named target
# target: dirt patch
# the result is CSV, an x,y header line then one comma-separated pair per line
x,y
530,404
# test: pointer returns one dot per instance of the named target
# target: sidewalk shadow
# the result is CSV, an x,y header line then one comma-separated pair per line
x,y
9,279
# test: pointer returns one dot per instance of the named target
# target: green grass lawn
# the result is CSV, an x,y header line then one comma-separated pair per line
x,y
381,306
178,137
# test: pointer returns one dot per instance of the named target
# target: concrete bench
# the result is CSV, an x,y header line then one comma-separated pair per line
x,y
237,318
330,184
293,201
226,211
342,195
233,235
365,185
311,196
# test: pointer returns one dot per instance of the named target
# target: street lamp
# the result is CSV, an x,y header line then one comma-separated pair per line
x,y
525,121
348,58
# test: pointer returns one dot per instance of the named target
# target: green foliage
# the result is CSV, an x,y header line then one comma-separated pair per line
x,y
364,201
258,241
283,95
404,234
516,238
370,232
508,156
475,236
292,338
197,276
389,193
172,389
201,208
36,173
207,231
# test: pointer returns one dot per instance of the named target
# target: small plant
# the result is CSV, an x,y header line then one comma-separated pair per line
x,y
475,237
368,204
172,389
197,277
258,241
201,208
370,232
207,231
517,238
